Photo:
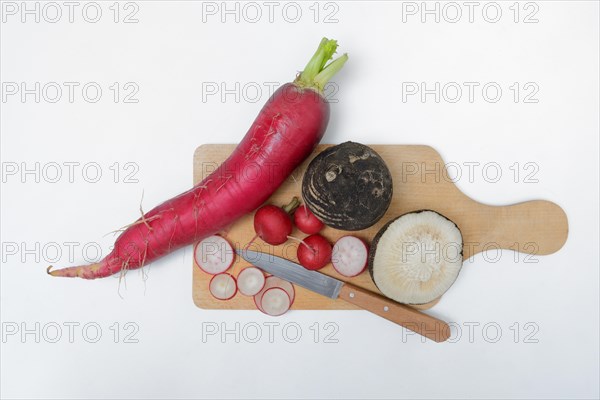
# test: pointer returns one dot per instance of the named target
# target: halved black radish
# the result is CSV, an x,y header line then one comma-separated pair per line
x,y
223,286
273,282
250,281
350,256
214,255
275,301
348,186
416,257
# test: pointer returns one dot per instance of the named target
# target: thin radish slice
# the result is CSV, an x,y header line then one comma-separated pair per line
x,y
223,286
285,285
275,282
250,281
275,301
350,256
214,255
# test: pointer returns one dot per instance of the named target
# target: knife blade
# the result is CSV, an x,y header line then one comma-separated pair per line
x,y
293,272
325,285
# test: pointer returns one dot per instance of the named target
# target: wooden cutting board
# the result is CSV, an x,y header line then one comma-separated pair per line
x,y
420,182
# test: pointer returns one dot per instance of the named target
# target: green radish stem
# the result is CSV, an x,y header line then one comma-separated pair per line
x,y
291,206
329,71
316,74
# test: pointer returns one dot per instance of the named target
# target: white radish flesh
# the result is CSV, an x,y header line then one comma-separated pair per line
x,y
223,286
214,255
250,281
275,301
416,257
350,256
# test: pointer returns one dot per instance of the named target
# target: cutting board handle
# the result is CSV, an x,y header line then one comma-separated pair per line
x,y
535,227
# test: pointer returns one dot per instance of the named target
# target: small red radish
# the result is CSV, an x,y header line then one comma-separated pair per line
x,y
271,282
273,224
222,286
306,221
275,302
314,252
213,255
250,281
350,256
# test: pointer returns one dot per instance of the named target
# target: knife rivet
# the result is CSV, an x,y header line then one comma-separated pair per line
x,y
386,308
351,295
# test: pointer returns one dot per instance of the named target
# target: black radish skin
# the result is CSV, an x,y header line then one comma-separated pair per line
x,y
348,186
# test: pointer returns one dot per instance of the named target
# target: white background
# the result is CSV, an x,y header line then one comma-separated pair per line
x,y
169,53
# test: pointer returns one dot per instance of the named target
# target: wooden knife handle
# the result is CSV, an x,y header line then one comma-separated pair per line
x,y
410,318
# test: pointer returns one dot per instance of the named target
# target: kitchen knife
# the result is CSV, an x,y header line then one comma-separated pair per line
x,y
410,318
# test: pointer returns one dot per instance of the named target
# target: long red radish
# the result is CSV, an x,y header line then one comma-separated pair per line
x,y
223,286
350,256
214,255
284,133
306,221
314,252
250,281
275,302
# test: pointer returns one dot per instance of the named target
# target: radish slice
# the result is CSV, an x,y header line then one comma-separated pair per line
x,y
223,286
275,301
350,256
275,282
283,284
214,255
250,281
